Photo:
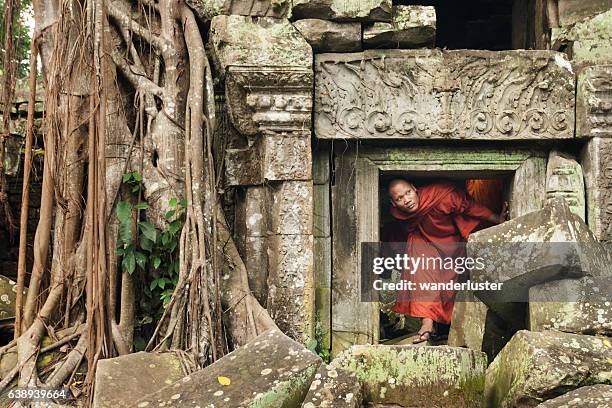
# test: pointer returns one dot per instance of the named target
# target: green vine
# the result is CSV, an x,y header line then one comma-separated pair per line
x,y
152,254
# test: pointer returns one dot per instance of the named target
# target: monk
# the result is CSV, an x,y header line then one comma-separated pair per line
x,y
436,219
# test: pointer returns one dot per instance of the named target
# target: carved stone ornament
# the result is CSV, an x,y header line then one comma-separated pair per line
x,y
276,99
434,94
594,102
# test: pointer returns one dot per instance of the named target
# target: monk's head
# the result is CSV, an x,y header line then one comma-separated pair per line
x,y
403,195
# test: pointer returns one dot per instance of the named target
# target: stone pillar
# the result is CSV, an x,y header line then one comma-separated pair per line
x,y
594,120
564,179
267,68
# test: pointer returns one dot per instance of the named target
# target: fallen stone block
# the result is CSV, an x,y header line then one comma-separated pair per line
x,y
207,9
595,158
271,371
410,27
122,381
572,11
564,179
539,247
579,306
334,388
594,396
537,366
328,36
413,376
342,10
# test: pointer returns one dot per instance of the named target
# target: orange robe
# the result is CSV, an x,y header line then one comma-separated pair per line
x,y
445,217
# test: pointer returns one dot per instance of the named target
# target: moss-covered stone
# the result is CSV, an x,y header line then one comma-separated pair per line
x,y
343,10
594,396
414,376
410,27
271,371
334,388
536,366
243,41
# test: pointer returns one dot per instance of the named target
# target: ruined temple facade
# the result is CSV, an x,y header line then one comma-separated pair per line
x,y
323,100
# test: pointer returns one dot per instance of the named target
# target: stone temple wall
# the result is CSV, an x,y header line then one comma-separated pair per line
x,y
307,79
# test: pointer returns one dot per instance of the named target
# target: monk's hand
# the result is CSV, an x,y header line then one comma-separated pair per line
x,y
503,216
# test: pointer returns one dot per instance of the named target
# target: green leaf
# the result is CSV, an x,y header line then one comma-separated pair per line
x,y
311,345
173,202
141,259
129,263
165,238
156,262
119,251
125,232
124,211
183,203
127,177
153,284
141,206
135,189
161,283
170,214
137,177
174,226
146,243
148,230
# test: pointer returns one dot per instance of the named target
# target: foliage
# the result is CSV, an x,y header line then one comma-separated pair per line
x,y
317,345
152,254
21,36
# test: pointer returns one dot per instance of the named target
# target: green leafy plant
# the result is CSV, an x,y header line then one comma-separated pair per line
x,y
150,253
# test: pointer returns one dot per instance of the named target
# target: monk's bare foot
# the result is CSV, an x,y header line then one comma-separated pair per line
x,y
425,332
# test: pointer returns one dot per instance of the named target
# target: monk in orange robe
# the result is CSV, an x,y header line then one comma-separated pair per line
x,y
435,218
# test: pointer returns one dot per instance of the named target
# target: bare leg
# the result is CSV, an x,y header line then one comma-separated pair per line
x,y
426,330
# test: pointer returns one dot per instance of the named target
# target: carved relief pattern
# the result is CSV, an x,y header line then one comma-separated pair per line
x,y
595,102
443,94
606,190
269,99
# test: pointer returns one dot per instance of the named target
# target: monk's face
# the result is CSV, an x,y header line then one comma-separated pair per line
x,y
404,196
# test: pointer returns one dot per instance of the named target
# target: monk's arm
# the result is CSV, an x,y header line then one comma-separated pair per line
x,y
468,207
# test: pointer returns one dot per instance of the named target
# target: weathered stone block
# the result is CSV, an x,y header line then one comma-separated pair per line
x,y
328,36
291,286
413,376
594,102
8,294
207,9
590,40
596,160
293,208
322,211
323,317
572,305
122,381
539,247
321,163
593,396
528,188
410,27
536,366
268,69
468,322
363,10
334,388
243,41
573,11
272,371
424,94
564,179
287,156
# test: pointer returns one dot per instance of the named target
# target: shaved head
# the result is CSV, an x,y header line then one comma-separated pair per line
x,y
403,195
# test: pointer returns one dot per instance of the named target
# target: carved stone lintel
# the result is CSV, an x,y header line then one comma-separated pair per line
x,y
269,98
423,94
594,102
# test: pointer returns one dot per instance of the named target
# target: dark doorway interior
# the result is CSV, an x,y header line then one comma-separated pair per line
x,y
473,24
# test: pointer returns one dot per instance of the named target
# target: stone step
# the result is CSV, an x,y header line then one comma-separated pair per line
x,y
414,376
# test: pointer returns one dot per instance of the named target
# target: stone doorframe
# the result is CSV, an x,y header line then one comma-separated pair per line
x,y
355,214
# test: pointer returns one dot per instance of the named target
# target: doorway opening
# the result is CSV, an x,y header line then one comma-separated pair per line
x,y
490,189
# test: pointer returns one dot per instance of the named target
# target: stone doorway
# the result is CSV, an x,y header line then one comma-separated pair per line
x,y
355,212
490,189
